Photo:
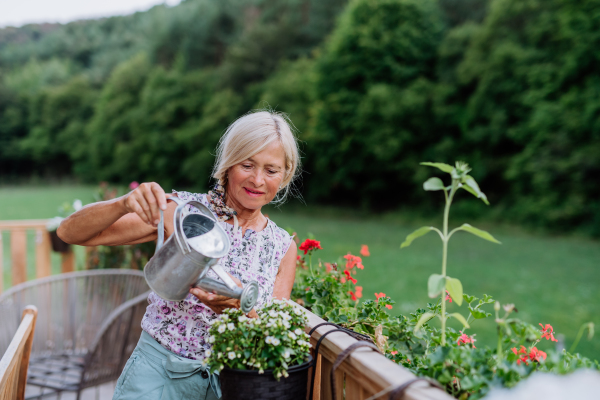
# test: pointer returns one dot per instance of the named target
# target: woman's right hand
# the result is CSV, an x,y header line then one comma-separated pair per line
x,y
146,201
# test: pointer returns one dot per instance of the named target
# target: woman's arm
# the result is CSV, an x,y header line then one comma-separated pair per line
x,y
129,219
284,281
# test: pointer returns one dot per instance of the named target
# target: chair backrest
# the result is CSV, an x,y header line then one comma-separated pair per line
x,y
72,307
114,342
14,363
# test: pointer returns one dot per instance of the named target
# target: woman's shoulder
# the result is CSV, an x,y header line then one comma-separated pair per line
x,y
183,195
280,234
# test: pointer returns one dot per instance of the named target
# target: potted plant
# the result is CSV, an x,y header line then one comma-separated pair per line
x,y
261,358
64,211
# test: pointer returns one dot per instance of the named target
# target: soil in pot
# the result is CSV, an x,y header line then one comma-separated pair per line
x,y
237,384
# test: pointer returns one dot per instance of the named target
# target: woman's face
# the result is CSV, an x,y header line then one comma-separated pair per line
x,y
255,181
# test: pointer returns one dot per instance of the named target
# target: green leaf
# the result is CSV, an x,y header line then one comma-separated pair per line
x,y
460,318
433,184
468,298
478,314
455,289
444,167
472,187
435,285
418,233
478,232
424,318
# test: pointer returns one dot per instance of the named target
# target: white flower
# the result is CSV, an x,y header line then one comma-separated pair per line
x,y
278,375
286,354
231,355
221,328
276,342
77,204
286,324
272,313
242,318
230,326
269,340
219,355
211,339
285,316
207,353
298,331
257,321
225,317
292,336
297,311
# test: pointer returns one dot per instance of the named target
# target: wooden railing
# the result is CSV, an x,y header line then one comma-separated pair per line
x,y
16,233
363,374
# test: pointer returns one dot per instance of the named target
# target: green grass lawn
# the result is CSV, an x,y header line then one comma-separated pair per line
x,y
550,279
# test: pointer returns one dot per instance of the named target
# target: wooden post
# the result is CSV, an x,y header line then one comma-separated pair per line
x,y
1,263
353,389
42,253
18,251
68,261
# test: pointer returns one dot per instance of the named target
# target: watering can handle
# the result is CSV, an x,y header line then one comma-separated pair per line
x,y
161,224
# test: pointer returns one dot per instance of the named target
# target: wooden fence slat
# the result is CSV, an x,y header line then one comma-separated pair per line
x,y
1,264
42,253
339,384
317,383
68,261
326,367
18,254
354,390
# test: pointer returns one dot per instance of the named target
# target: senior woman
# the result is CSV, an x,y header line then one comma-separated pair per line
x,y
257,160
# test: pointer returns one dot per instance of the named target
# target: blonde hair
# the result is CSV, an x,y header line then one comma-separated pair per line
x,y
251,134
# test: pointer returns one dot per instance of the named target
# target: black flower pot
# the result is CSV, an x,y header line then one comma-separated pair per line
x,y
237,384
57,243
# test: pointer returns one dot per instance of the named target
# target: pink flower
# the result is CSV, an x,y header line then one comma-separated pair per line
x,y
388,306
393,352
133,185
379,295
466,339
448,297
364,251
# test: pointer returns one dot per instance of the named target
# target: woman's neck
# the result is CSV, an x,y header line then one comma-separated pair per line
x,y
247,218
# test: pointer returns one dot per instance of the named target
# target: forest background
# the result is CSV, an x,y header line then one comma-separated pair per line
x,y
372,86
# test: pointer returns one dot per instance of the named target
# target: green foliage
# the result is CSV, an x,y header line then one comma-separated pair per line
x,y
373,86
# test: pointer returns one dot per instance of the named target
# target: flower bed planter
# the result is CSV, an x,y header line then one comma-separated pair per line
x,y
250,385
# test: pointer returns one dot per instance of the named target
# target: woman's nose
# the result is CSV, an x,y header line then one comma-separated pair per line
x,y
258,178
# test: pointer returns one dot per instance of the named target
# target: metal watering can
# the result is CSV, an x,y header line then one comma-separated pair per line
x,y
195,246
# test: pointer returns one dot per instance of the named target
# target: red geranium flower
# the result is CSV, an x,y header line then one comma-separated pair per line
x,y
352,295
353,261
379,295
309,245
349,276
465,339
548,332
358,291
536,354
364,251
448,297
388,306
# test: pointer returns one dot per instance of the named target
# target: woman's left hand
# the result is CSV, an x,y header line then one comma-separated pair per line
x,y
218,303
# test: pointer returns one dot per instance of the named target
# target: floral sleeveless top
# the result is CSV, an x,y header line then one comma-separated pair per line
x,y
182,326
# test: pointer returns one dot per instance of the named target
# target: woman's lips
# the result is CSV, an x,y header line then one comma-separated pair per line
x,y
253,193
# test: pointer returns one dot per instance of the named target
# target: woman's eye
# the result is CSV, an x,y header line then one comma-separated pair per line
x,y
246,166
270,171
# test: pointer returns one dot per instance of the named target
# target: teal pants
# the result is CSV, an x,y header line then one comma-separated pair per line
x,y
154,373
